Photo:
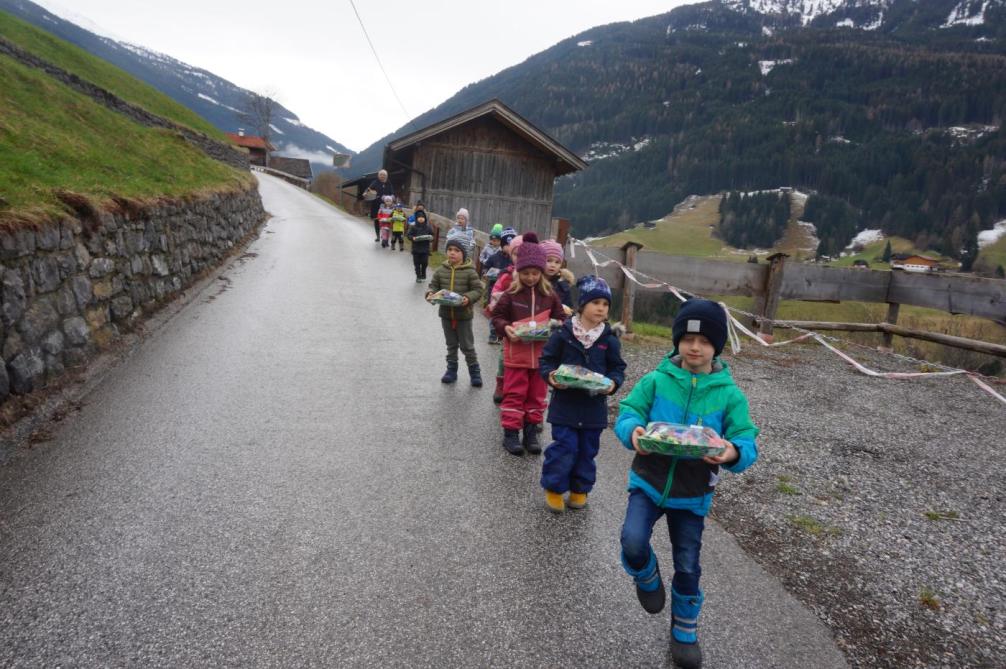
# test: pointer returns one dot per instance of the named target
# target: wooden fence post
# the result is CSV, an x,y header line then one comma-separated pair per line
x,y
560,230
629,250
773,285
892,317
436,238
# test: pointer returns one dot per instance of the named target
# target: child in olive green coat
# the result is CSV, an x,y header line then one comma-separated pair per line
x,y
457,274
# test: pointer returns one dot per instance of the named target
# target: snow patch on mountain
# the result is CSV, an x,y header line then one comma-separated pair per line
x,y
767,66
865,237
601,150
586,42
73,17
967,13
809,10
989,237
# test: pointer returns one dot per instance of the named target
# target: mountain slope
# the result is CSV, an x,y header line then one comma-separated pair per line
x,y
894,127
208,95
58,146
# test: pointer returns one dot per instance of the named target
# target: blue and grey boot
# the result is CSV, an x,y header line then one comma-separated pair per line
x,y
451,375
685,648
649,586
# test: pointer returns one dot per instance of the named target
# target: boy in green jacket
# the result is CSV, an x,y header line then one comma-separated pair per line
x,y
691,386
458,275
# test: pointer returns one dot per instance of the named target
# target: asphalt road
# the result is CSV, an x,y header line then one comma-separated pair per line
x,y
277,478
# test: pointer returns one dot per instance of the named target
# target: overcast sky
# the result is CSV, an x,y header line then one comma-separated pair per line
x,y
314,56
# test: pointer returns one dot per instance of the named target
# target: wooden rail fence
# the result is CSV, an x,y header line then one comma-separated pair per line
x,y
780,280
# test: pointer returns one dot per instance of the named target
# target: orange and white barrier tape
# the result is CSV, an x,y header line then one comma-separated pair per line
x,y
733,325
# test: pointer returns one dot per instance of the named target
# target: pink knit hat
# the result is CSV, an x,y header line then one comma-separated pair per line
x,y
531,253
553,249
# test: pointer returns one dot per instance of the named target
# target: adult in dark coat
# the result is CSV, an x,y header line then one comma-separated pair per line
x,y
381,186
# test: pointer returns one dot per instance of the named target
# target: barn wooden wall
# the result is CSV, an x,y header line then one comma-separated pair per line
x,y
487,169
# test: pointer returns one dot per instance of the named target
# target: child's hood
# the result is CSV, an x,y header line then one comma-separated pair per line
x,y
720,376
568,276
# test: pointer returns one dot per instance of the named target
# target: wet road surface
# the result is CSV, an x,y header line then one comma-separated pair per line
x,y
277,478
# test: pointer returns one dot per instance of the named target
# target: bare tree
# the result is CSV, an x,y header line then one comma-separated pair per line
x,y
258,111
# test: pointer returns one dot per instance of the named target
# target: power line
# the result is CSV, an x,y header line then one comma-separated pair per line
x,y
408,116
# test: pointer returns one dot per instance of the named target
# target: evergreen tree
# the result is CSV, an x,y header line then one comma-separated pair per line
x,y
887,252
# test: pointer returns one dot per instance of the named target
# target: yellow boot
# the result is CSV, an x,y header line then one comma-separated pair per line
x,y
554,501
577,500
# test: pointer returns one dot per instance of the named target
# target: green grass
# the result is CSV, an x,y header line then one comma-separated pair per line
x,y
942,515
685,232
928,599
992,255
813,527
53,138
652,330
873,252
784,486
97,71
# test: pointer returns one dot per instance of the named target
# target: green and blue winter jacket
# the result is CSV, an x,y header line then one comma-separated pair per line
x,y
675,395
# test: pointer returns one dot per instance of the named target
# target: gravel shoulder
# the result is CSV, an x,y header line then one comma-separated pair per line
x,y
879,503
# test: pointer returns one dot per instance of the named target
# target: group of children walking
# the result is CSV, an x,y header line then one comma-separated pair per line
x,y
691,386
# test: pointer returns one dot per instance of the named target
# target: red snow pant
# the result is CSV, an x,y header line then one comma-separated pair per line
x,y
524,398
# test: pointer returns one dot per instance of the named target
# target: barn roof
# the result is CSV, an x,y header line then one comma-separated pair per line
x,y
566,160
251,141
298,167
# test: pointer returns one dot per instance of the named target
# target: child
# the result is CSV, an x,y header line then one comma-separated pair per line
x,y
419,207
421,249
576,416
560,278
509,241
384,220
690,386
488,253
398,228
464,230
529,298
492,249
458,275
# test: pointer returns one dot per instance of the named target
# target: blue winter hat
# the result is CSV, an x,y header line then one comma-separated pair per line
x,y
507,236
591,288
702,317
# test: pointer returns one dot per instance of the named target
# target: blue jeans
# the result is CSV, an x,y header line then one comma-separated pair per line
x,y
569,460
685,529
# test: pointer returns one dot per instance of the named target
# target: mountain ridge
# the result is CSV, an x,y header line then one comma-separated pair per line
x,y
707,99
213,97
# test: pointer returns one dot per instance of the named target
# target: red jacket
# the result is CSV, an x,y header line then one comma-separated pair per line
x,y
526,305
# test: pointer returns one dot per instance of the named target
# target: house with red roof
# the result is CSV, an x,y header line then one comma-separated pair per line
x,y
258,147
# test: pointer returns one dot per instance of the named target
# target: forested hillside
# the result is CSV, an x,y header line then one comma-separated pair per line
x,y
898,128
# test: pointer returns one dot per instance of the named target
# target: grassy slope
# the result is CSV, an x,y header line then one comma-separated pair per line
x,y
97,71
994,254
685,232
688,231
52,137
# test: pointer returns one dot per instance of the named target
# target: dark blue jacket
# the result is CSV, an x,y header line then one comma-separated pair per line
x,y
578,408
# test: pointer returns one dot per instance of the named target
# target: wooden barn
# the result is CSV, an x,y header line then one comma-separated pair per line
x,y
489,160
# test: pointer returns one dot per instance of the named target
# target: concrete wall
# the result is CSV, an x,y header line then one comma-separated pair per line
x,y
67,287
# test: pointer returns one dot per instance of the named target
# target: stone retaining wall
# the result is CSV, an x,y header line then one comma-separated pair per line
x,y
66,288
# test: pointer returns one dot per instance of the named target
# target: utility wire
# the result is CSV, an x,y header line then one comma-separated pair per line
x,y
408,116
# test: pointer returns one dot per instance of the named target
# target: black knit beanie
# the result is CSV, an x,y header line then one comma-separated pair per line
x,y
702,317
459,244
